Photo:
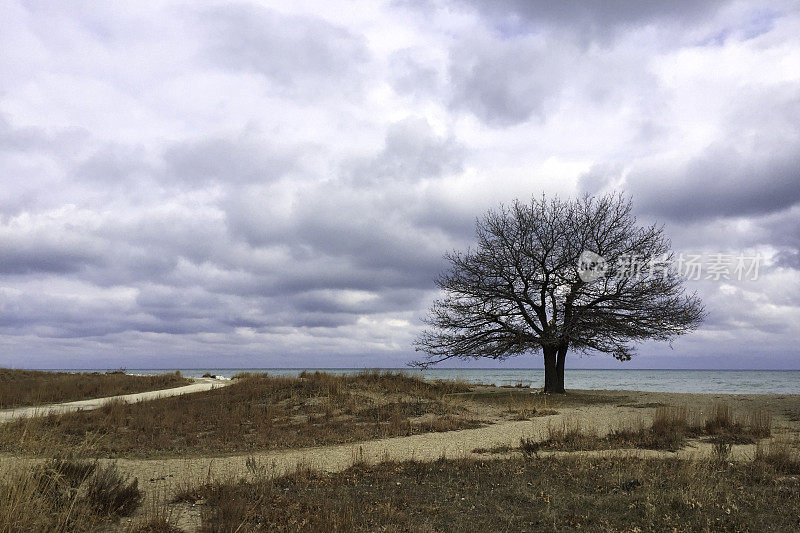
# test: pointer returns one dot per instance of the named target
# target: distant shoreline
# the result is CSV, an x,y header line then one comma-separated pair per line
x,y
358,368
728,381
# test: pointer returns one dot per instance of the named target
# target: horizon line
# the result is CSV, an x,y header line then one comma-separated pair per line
x,y
407,368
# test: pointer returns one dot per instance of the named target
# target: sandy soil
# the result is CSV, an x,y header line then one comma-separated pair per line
x,y
160,478
200,384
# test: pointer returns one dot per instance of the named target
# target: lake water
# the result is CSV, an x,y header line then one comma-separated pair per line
x,y
710,381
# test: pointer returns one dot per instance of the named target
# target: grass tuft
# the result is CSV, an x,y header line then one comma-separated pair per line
x,y
66,495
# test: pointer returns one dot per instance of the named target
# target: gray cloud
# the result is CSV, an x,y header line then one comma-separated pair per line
x,y
228,160
295,52
599,177
722,181
280,186
504,83
412,152
413,74
593,20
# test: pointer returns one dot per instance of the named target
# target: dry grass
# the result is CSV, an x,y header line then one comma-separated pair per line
x,y
256,412
722,425
66,495
760,423
552,494
32,387
782,456
668,431
515,397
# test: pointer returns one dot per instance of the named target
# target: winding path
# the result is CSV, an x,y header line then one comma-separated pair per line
x,y
334,458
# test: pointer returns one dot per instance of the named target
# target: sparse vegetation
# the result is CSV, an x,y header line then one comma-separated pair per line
x,y
779,457
668,431
32,387
256,412
603,494
520,399
723,426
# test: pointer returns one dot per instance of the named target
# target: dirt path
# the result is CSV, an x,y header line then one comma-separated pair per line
x,y
160,479
424,447
201,384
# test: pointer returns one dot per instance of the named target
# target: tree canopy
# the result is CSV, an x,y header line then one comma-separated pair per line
x,y
554,274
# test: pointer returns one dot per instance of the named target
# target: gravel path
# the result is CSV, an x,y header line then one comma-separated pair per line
x,y
201,384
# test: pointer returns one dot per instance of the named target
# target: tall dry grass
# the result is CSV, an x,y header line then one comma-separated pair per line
x,y
33,387
669,430
65,495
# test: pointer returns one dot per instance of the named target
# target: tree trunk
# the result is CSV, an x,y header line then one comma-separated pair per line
x,y
551,381
561,356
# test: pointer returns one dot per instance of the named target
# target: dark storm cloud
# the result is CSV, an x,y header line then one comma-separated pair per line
x,y
722,181
788,259
58,317
783,228
30,246
348,239
507,79
598,20
752,169
33,259
169,303
361,233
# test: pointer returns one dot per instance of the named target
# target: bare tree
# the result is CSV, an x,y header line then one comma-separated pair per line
x,y
551,275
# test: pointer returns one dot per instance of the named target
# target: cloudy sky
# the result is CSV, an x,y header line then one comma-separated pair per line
x,y
198,184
